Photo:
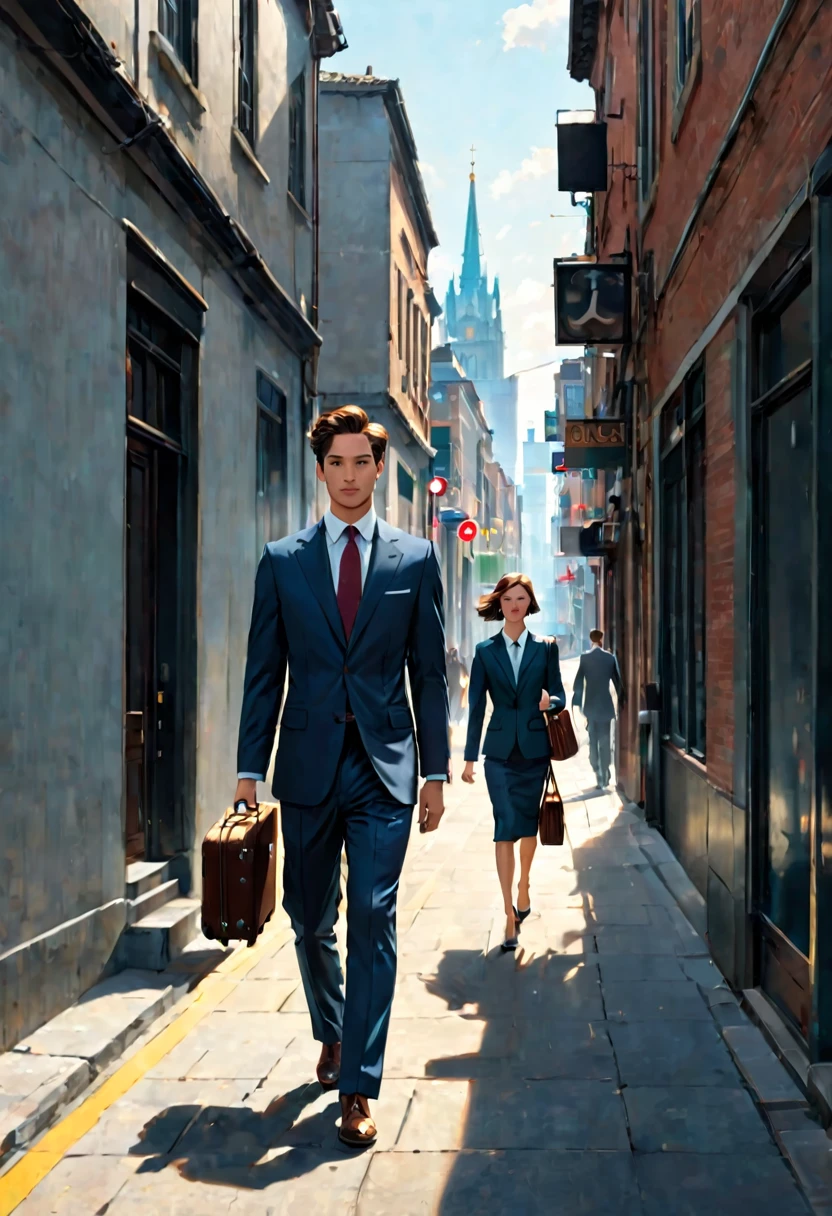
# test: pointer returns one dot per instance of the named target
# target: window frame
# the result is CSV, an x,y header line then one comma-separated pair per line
x,y
684,480
247,71
178,23
646,143
266,412
297,140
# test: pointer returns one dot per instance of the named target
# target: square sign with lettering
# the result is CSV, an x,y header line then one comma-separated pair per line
x,y
592,303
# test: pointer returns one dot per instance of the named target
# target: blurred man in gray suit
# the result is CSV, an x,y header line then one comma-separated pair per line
x,y
597,670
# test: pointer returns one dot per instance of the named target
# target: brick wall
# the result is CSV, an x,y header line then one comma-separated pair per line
x,y
719,559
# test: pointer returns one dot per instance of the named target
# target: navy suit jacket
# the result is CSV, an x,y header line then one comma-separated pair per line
x,y
591,692
516,718
295,623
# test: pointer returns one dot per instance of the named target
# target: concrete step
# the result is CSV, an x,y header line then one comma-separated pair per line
x,y
152,901
143,876
153,941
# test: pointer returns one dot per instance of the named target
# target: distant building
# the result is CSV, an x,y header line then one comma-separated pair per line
x,y
377,306
478,489
473,322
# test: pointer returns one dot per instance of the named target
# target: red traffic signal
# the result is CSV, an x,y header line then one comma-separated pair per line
x,y
437,486
468,530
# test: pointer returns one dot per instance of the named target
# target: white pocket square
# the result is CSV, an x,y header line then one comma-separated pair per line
x,y
403,591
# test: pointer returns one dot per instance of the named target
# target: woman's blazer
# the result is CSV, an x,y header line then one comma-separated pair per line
x,y
516,718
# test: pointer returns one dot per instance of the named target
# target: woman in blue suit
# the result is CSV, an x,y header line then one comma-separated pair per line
x,y
521,674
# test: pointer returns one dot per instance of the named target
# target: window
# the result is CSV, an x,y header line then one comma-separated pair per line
x,y
408,351
154,367
573,399
402,312
297,140
272,496
425,343
247,83
178,23
646,102
683,568
405,487
685,40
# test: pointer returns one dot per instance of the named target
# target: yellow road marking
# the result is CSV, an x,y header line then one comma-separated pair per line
x,y
19,1182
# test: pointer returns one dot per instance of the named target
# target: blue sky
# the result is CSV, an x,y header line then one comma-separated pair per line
x,y
492,74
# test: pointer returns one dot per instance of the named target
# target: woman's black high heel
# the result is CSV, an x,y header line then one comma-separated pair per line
x,y
521,916
508,945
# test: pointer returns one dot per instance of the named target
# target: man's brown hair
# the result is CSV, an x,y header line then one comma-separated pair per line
x,y
596,635
489,606
346,420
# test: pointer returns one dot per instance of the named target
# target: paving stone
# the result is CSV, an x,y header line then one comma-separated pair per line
x,y
32,1089
761,1068
79,1186
671,1053
259,996
280,966
696,1119
548,1049
632,968
228,1046
620,914
531,1183
689,1184
151,1117
650,999
611,939
703,971
466,1047
810,1152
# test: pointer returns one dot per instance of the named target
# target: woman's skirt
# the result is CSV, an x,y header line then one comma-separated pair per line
x,y
515,787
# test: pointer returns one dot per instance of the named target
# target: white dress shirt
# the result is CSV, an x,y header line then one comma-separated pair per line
x,y
515,651
337,538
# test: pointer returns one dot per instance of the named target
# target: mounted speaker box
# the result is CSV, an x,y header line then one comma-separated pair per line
x,y
582,157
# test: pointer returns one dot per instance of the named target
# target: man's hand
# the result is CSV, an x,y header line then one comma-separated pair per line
x,y
544,701
468,773
246,792
431,805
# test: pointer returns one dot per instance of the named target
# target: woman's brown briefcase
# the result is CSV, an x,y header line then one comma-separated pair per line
x,y
238,874
563,743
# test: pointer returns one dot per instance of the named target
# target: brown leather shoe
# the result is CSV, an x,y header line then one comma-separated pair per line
x,y
329,1065
357,1126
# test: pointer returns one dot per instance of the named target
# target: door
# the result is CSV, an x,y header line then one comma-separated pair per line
x,y
784,735
139,644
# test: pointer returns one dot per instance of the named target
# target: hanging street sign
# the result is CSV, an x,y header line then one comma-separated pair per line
x,y
592,303
468,530
595,444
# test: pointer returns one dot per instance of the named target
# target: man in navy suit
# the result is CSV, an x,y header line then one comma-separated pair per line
x,y
597,671
347,606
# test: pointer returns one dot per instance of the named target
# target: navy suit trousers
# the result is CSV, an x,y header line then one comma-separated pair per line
x,y
360,815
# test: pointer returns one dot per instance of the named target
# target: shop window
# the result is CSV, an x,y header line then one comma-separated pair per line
x,y
686,16
272,463
683,569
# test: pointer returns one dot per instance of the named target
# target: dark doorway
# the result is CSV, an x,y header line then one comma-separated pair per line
x,y
782,692
161,381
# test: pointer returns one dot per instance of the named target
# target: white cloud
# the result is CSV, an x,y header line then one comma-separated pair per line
x,y
440,268
523,259
528,24
528,292
535,223
570,243
431,175
504,231
542,162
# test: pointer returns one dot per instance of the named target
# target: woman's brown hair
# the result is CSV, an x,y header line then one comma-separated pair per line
x,y
489,606
347,420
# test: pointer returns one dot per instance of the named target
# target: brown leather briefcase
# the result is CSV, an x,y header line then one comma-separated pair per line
x,y
563,743
238,874
550,825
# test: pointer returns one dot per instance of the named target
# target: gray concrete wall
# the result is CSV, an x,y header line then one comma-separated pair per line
x,y
62,401
354,244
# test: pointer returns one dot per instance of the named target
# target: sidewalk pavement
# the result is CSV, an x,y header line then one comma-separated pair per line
x,y
605,1068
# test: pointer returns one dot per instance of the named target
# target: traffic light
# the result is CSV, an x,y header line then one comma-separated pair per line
x,y
437,486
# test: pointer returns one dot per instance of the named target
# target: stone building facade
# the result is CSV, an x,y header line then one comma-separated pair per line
x,y
159,316
378,307
718,197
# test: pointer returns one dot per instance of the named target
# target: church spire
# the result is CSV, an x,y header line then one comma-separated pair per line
x,y
471,273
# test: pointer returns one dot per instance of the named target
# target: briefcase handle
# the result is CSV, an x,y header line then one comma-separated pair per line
x,y
241,802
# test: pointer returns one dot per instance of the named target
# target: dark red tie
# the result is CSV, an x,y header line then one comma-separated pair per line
x,y
349,582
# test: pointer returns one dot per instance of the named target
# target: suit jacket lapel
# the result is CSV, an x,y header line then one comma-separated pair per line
x,y
500,653
384,562
313,559
530,652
